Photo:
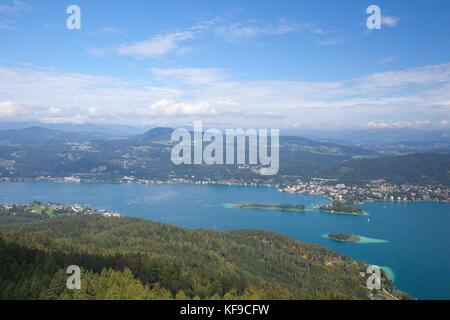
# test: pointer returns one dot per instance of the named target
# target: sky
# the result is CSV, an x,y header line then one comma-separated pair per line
x,y
252,64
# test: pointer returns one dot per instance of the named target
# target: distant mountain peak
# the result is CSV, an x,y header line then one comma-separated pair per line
x,y
159,133
36,128
158,130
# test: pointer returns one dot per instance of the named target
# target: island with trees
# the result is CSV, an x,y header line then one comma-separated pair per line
x,y
342,207
342,237
339,207
284,207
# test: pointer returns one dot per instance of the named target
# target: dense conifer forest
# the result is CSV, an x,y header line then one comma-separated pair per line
x,y
130,258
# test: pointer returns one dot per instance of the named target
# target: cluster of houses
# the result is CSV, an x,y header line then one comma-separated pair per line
x,y
74,209
375,190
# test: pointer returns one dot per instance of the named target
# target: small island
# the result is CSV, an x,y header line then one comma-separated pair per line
x,y
343,207
341,237
285,207
338,207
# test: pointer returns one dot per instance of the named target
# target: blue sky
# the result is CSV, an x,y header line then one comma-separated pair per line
x,y
288,64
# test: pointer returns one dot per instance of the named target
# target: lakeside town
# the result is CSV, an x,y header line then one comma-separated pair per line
x,y
375,190
53,209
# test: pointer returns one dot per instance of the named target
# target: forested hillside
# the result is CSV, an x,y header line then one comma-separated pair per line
x,y
128,258
421,169
36,152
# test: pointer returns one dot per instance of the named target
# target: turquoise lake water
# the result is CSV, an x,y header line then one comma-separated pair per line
x,y
412,240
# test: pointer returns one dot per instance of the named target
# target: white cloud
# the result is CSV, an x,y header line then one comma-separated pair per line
x,y
6,25
57,96
390,21
234,32
171,108
330,42
6,109
431,75
388,60
189,75
76,119
155,46
320,31
54,111
98,52
15,7
10,110
398,124
54,96
239,31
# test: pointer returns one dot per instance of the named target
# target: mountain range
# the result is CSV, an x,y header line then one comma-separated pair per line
x,y
35,152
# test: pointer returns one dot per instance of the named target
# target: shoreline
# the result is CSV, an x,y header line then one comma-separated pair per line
x,y
269,185
191,183
94,212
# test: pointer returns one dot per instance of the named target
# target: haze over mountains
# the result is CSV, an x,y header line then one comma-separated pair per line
x,y
41,152
384,140
114,130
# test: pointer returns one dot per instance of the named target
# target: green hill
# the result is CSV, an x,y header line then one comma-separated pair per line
x,y
421,169
128,258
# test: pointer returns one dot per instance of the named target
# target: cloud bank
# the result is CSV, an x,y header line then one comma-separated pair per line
x,y
418,97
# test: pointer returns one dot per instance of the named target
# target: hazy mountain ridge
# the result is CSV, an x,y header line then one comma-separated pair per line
x,y
39,135
36,152
394,141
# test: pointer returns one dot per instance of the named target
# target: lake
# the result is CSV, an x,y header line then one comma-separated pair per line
x,y
411,240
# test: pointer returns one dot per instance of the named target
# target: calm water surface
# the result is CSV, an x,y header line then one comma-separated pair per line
x,y
412,239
